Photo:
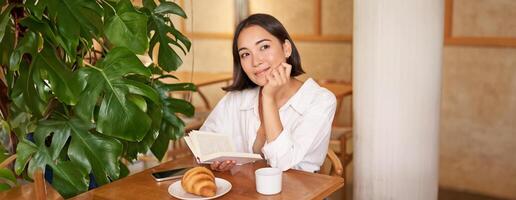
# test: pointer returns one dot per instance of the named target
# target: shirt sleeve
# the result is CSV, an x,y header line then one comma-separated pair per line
x,y
215,120
310,136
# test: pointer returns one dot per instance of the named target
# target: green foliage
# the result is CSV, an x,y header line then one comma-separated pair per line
x,y
84,113
7,178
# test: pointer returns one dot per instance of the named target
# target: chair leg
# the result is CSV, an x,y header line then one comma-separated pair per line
x,y
343,155
39,185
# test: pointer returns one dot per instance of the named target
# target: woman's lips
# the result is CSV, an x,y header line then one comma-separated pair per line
x,y
262,72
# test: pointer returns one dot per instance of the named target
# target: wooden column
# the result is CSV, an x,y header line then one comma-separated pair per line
x,y
397,47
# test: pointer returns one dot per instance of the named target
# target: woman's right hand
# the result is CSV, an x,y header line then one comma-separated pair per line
x,y
222,166
277,78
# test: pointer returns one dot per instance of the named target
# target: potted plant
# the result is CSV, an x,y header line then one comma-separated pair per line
x,y
79,110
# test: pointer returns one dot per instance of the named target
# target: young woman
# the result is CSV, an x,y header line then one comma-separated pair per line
x,y
267,110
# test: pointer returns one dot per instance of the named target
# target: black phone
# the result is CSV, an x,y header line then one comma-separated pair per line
x,y
170,174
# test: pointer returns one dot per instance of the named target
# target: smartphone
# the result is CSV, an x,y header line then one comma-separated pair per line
x,y
170,174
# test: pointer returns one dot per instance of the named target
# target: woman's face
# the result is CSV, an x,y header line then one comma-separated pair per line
x,y
260,52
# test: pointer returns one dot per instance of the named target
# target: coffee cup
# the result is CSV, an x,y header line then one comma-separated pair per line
x,y
268,180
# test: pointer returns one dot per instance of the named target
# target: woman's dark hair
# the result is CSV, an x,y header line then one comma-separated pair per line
x,y
240,80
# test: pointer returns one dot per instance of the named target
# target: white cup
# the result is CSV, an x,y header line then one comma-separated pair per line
x,y
268,180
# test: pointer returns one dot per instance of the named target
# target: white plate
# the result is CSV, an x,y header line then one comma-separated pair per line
x,y
176,190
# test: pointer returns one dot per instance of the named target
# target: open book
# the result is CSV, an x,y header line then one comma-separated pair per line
x,y
210,147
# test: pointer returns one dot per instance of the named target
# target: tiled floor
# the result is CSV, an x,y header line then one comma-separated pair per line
x,y
444,194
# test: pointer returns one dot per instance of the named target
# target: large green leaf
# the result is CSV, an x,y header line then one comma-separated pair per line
x,y
128,28
7,179
76,18
84,147
28,44
173,105
171,127
24,151
117,116
36,7
68,177
170,7
60,78
133,148
4,20
180,106
150,4
165,88
7,46
43,26
179,36
167,57
25,90
21,122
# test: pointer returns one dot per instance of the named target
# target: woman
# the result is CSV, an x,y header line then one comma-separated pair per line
x,y
267,110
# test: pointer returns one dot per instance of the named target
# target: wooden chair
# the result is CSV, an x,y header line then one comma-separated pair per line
x,y
8,161
340,135
39,190
332,165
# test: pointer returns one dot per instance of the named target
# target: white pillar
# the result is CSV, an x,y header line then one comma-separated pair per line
x,y
397,47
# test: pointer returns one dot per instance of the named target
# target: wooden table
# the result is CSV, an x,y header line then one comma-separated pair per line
x,y
296,184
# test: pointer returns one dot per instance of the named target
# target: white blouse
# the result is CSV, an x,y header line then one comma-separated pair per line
x,y
306,118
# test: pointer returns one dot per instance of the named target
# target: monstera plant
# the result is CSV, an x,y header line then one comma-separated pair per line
x,y
76,99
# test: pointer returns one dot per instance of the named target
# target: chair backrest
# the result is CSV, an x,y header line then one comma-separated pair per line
x,y
8,161
340,89
332,165
39,189
39,185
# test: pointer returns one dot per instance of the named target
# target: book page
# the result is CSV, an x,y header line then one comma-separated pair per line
x,y
190,144
208,143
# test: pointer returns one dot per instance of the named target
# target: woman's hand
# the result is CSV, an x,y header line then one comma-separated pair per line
x,y
277,78
222,166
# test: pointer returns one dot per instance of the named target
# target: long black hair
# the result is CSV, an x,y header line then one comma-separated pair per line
x,y
240,79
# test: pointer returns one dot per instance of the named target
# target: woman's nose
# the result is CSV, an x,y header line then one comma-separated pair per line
x,y
257,60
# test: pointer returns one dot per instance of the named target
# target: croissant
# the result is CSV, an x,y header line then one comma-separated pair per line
x,y
199,181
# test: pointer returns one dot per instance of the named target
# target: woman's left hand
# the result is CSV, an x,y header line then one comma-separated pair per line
x,y
277,78
223,166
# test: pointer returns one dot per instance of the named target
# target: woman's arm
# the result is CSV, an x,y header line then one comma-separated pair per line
x,y
307,140
278,78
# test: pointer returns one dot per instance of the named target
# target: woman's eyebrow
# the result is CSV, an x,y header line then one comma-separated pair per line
x,y
262,40
259,41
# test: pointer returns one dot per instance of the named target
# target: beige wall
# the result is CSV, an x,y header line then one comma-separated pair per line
x,y
478,129
478,115
484,18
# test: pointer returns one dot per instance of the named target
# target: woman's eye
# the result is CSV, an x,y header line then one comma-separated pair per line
x,y
265,47
244,55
